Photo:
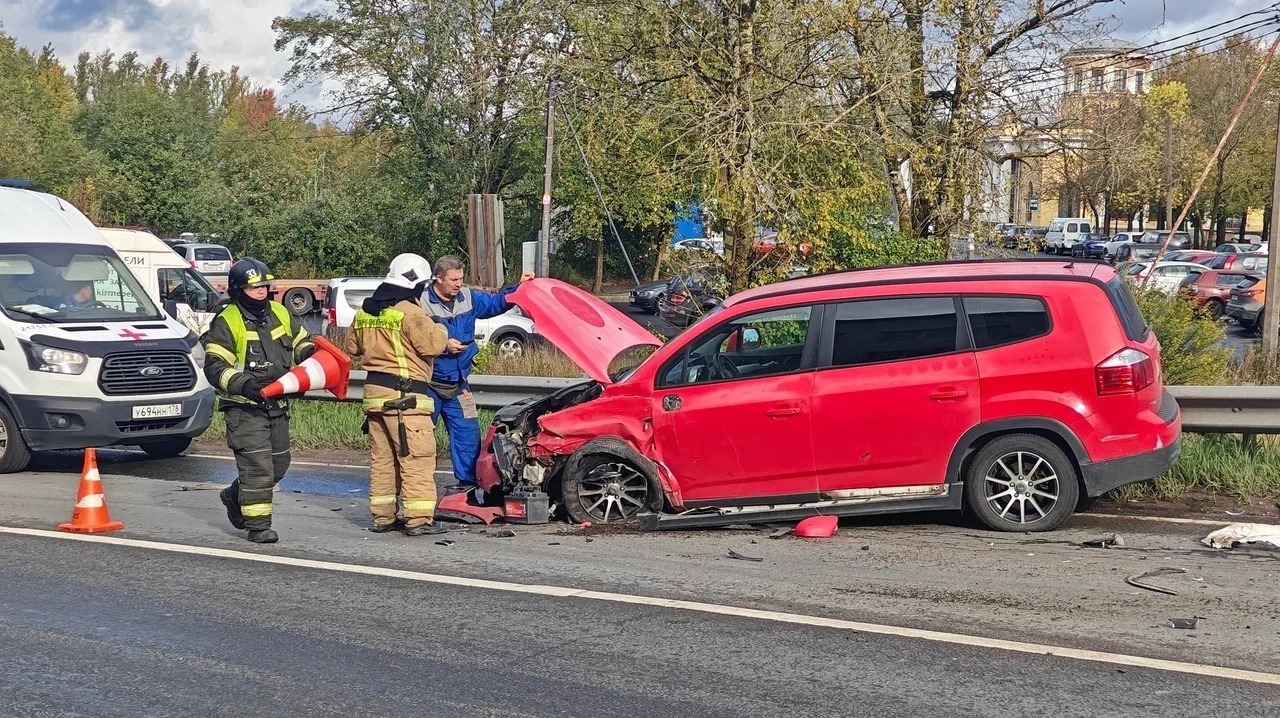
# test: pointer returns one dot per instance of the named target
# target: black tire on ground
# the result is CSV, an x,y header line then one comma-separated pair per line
x,y
15,455
656,302
1021,482
1215,308
299,301
166,448
607,481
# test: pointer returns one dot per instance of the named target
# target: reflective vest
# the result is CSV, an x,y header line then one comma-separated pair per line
x,y
241,335
391,321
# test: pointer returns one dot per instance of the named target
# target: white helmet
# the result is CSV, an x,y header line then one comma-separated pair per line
x,y
408,271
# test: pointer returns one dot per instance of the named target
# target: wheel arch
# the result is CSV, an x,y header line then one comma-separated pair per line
x,y
621,448
979,436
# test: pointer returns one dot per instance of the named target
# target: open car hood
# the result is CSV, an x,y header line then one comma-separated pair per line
x,y
589,331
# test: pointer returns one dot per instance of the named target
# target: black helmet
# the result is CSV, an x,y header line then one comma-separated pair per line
x,y
247,273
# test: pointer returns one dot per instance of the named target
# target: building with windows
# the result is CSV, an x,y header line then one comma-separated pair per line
x,y
1028,163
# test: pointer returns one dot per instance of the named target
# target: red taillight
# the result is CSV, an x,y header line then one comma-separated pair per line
x,y
1249,292
1126,372
678,299
333,316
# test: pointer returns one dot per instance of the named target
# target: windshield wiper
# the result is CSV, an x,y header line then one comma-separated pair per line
x,y
34,315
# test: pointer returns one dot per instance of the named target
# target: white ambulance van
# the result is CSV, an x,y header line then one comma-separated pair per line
x,y
179,290
87,358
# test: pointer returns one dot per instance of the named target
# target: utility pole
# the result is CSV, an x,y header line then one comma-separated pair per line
x,y
1270,310
544,238
1168,173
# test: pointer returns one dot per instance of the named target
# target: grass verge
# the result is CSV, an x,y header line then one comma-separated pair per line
x,y
1216,464
332,425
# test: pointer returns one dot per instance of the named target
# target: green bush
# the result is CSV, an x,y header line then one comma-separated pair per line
x,y
1190,352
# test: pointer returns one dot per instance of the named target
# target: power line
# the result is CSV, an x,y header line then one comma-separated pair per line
x,y
1174,58
1051,76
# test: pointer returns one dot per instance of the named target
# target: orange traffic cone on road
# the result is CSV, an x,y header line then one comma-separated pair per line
x,y
90,516
328,368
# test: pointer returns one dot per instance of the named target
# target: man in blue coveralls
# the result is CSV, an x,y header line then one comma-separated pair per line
x,y
457,308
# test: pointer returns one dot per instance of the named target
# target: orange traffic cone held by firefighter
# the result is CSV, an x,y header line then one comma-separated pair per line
x,y
328,368
90,516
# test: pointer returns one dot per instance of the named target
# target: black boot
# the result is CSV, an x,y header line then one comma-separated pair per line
x,y
426,530
384,528
231,499
264,536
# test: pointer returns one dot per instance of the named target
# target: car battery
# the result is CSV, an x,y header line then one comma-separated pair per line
x,y
527,507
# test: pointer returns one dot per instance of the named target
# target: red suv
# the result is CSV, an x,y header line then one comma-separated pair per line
x,y
1006,388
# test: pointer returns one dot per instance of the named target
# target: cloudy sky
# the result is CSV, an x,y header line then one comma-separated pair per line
x,y
238,32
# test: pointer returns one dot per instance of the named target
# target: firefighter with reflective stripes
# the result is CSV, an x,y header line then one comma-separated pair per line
x,y
250,344
398,342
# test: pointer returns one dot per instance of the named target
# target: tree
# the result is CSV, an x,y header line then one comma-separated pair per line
x,y
929,73
38,140
1216,83
452,80
748,90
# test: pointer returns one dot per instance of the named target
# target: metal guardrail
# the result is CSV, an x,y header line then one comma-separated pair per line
x,y
1205,409
1229,409
491,392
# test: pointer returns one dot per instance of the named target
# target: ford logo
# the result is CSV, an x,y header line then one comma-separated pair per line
x,y
151,371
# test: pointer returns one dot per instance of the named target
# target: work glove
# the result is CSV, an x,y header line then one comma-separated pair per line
x,y
252,389
306,354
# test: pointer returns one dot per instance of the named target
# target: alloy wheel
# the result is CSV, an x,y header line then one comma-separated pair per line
x,y
1021,487
613,491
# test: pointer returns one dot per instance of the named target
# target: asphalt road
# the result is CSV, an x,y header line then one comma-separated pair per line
x,y
111,631
104,630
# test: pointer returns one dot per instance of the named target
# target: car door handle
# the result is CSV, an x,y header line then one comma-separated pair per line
x,y
948,392
783,411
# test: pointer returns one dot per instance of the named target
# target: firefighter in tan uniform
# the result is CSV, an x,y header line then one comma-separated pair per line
x,y
397,341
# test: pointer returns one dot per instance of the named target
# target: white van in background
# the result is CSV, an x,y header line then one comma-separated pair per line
x,y
180,290
1065,232
89,359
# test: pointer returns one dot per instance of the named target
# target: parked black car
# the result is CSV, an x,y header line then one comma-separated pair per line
x,y
690,296
646,297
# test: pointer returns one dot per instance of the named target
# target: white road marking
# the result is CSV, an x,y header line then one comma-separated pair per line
x,y
1167,519
698,606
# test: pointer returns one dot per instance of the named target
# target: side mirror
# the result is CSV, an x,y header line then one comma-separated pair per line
x,y
750,339
171,308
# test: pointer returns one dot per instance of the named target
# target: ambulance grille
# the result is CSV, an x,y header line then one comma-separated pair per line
x,y
136,373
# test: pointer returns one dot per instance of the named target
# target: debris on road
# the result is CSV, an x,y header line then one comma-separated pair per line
x,y
780,533
445,542
740,557
1104,542
503,533
867,547
1265,535
1184,623
818,527
1136,579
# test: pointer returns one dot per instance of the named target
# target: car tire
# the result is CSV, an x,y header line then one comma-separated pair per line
x,y
299,301
607,481
657,301
166,448
1215,308
15,455
1021,482
509,345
